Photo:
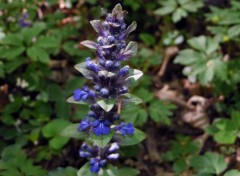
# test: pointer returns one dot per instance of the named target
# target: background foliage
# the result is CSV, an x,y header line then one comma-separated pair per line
x,y
189,52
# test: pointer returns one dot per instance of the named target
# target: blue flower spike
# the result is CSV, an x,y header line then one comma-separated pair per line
x,y
109,81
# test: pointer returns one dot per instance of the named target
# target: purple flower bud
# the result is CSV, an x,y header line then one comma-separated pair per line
x,y
116,65
100,41
123,90
111,39
102,163
91,65
85,124
124,128
113,156
114,147
104,91
102,62
108,64
123,71
92,114
84,154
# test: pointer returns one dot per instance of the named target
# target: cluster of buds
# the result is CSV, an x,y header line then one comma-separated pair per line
x,y
110,82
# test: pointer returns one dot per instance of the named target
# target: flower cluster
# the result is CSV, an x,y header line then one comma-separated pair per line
x,y
110,82
23,22
99,156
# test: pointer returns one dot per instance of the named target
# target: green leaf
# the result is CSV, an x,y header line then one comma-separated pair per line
x,y
71,100
145,94
129,98
127,171
13,52
85,171
164,10
225,137
134,114
198,43
160,111
54,127
12,39
47,42
102,140
178,15
136,138
210,163
71,131
147,38
55,92
234,31
188,57
179,166
107,104
58,142
232,172
38,54
68,171
82,69
135,75
211,45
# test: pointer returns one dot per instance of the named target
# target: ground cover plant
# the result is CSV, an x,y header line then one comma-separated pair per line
x,y
181,118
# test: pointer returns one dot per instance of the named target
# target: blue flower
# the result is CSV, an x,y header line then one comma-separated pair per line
x,y
83,94
96,163
85,151
113,156
91,65
23,21
85,124
124,128
101,127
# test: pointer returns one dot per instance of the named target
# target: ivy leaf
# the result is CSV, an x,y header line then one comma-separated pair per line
x,y
106,104
136,138
102,140
71,131
210,163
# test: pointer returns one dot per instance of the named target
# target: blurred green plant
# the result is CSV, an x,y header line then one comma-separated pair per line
x,y
203,63
180,153
178,8
225,23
